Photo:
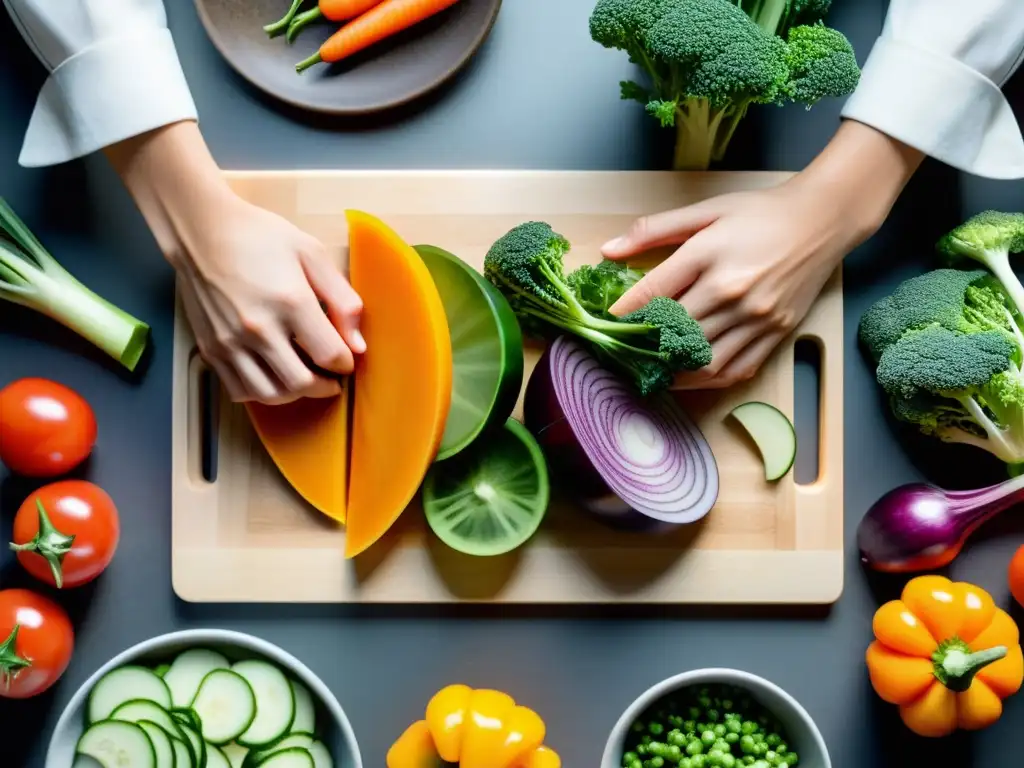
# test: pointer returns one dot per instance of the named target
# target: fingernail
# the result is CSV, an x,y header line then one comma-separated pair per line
x,y
358,342
614,245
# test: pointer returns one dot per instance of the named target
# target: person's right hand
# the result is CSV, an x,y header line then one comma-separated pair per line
x,y
252,284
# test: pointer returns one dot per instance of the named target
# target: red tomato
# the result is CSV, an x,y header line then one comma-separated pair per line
x,y
72,539
36,643
46,429
1016,575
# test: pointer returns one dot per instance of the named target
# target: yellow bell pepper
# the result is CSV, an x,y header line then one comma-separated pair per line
x,y
474,729
946,655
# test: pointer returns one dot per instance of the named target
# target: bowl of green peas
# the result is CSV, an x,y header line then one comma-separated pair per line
x,y
715,718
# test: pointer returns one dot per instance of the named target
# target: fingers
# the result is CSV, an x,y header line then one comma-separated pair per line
x,y
344,306
737,358
670,278
255,378
667,228
292,373
315,333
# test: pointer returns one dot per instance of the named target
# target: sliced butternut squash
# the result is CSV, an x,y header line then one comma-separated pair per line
x,y
403,382
308,441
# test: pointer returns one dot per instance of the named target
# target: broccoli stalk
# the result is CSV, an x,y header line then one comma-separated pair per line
x,y
708,61
30,276
989,238
649,345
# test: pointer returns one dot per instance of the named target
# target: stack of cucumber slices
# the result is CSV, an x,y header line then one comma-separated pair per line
x,y
201,711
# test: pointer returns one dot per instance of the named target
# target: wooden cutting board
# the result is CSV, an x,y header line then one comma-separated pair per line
x,y
247,536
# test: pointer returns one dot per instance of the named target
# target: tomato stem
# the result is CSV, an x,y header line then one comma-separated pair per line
x,y
48,543
10,662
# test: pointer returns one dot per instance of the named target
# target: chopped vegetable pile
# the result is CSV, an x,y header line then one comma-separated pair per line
x,y
707,61
717,726
647,346
949,344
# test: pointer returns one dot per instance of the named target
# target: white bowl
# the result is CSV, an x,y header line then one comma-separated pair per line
x,y
803,735
333,727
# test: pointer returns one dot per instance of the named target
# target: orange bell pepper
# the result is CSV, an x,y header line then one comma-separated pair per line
x,y
474,729
946,655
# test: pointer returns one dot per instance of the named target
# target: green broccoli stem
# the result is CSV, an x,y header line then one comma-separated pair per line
x,y
732,118
592,334
696,126
1000,442
58,295
770,15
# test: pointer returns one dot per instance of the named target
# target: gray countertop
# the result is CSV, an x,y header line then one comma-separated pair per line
x,y
579,668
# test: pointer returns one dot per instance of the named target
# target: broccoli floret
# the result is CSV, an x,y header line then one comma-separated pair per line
x,y
649,345
960,387
959,300
821,64
707,61
599,286
989,238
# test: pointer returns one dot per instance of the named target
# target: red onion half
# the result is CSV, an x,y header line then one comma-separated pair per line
x,y
636,463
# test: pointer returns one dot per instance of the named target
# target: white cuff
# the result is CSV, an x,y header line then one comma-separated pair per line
x,y
939,106
112,91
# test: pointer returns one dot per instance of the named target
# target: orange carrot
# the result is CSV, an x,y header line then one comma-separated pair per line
x,y
334,10
379,23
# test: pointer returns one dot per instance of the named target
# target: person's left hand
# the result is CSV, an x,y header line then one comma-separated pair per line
x,y
749,268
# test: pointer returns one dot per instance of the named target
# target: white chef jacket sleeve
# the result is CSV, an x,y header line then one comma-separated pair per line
x,y
933,81
114,73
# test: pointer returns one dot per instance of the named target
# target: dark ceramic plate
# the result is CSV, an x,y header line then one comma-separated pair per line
x,y
392,73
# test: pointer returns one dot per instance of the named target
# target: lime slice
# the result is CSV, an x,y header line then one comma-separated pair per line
x,y
487,350
492,499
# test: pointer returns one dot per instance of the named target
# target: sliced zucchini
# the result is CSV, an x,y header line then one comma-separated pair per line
x,y
187,672
161,670
84,761
116,744
195,743
773,434
226,706
162,747
321,757
303,740
275,703
289,758
305,715
123,684
182,754
139,710
188,716
235,753
215,758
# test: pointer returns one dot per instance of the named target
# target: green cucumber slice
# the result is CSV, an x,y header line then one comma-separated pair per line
x,y
163,749
291,741
187,672
275,703
182,754
289,758
321,757
188,716
492,499
487,350
116,744
305,713
141,709
161,670
225,705
215,758
773,434
235,753
124,684
195,743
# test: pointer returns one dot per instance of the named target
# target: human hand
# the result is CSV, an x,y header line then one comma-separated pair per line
x,y
751,264
251,283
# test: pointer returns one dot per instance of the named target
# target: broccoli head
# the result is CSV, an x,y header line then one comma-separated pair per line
x,y
960,387
821,64
599,286
707,61
989,238
648,346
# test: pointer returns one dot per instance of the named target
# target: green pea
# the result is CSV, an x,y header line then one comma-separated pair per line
x,y
698,761
708,737
749,759
732,738
673,753
695,713
791,758
675,721
782,748
761,764
656,729
654,762
728,761
689,726
713,715
686,763
773,740
629,757
733,725
747,744
748,726
726,703
771,757
721,745
638,727
695,747
720,730
677,739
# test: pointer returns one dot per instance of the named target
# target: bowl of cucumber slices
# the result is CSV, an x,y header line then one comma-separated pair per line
x,y
203,698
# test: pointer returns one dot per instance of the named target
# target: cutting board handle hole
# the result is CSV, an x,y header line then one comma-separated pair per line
x,y
203,422
807,399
